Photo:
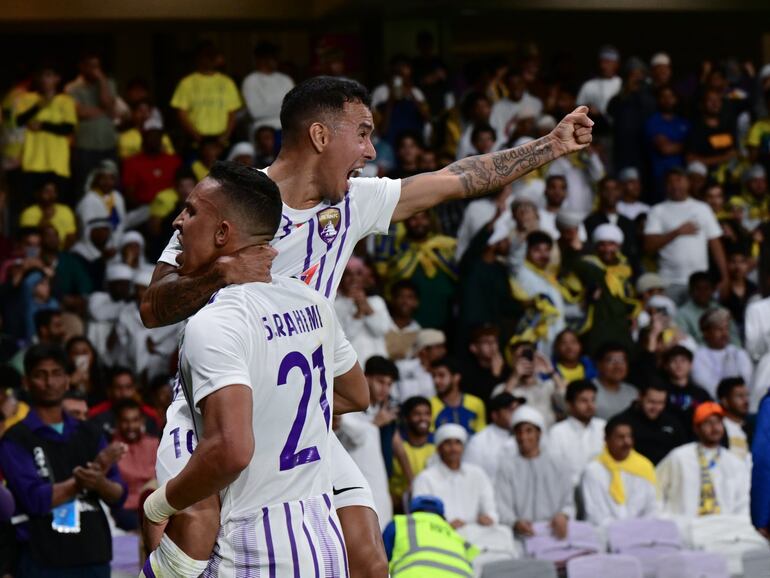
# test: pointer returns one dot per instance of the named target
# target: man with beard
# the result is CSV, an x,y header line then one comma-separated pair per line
x,y
416,417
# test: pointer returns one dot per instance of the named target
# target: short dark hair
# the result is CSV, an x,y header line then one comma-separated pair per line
x,y
124,404
45,352
575,388
501,401
727,385
253,195
486,330
698,277
603,182
44,317
265,50
470,101
614,423
539,238
677,351
553,178
404,285
183,173
23,232
411,403
610,347
480,129
317,96
378,365
120,370
449,363
408,135
654,383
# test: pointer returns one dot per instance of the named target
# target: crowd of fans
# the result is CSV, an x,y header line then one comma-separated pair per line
x,y
589,342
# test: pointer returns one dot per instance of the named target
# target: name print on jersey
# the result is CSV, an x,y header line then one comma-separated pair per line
x,y
292,322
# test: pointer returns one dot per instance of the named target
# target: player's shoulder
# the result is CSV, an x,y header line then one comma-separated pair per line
x,y
356,184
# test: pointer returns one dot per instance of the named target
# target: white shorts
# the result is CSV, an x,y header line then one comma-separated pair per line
x,y
350,488
300,538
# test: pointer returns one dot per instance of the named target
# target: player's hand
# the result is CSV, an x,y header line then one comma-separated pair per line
x,y
247,265
573,133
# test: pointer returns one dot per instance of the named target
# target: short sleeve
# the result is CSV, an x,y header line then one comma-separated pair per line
x,y
653,226
344,355
375,200
171,251
181,98
30,217
710,224
232,96
215,350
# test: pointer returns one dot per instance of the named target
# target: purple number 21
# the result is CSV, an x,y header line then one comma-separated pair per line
x,y
290,457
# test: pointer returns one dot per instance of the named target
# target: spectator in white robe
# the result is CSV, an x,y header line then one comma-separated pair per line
x,y
477,214
464,488
757,335
147,351
104,308
718,358
485,447
415,378
263,90
555,194
702,478
620,483
578,439
581,171
364,318
533,486
102,200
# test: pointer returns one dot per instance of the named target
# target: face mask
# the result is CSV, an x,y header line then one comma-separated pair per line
x,y
82,362
32,252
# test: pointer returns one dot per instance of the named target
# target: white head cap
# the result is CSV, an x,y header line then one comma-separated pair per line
x,y
119,272
528,414
607,232
450,431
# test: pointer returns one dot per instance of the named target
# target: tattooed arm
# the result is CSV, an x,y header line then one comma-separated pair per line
x,y
171,298
478,175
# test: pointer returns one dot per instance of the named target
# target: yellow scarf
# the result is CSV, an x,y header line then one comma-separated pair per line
x,y
635,464
571,294
434,255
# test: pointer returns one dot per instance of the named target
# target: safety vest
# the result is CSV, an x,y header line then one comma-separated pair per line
x,y
426,546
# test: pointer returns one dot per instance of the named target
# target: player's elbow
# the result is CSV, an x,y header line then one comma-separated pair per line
x,y
236,455
146,313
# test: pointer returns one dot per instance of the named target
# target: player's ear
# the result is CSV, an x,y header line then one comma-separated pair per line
x,y
223,234
319,136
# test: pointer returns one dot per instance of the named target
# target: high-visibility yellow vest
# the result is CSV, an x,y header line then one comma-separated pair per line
x,y
426,546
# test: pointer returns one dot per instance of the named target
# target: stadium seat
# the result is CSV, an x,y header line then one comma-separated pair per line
x,y
581,540
689,564
604,566
519,569
646,540
756,564
730,536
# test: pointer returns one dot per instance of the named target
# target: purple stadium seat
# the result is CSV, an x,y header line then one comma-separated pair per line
x,y
581,540
689,564
646,540
604,566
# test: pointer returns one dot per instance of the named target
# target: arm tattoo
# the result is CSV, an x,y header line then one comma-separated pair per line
x,y
175,298
484,173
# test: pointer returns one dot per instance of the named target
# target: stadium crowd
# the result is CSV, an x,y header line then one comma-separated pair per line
x,y
589,343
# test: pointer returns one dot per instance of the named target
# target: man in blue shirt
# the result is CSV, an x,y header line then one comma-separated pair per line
x,y
666,133
57,471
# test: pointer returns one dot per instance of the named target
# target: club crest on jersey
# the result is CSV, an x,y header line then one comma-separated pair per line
x,y
329,224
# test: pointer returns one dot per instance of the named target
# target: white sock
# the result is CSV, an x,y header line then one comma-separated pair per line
x,y
169,561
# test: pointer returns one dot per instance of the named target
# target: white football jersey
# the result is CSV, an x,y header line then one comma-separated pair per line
x,y
315,244
283,341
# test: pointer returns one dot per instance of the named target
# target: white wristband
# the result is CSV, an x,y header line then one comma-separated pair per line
x,y
156,506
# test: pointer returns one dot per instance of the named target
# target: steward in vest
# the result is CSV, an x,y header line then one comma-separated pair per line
x,y
423,544
57,472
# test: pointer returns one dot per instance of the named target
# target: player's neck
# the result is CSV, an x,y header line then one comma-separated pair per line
x,y
295,176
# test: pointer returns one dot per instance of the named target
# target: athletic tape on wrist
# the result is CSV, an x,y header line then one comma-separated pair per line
x,y
156,506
